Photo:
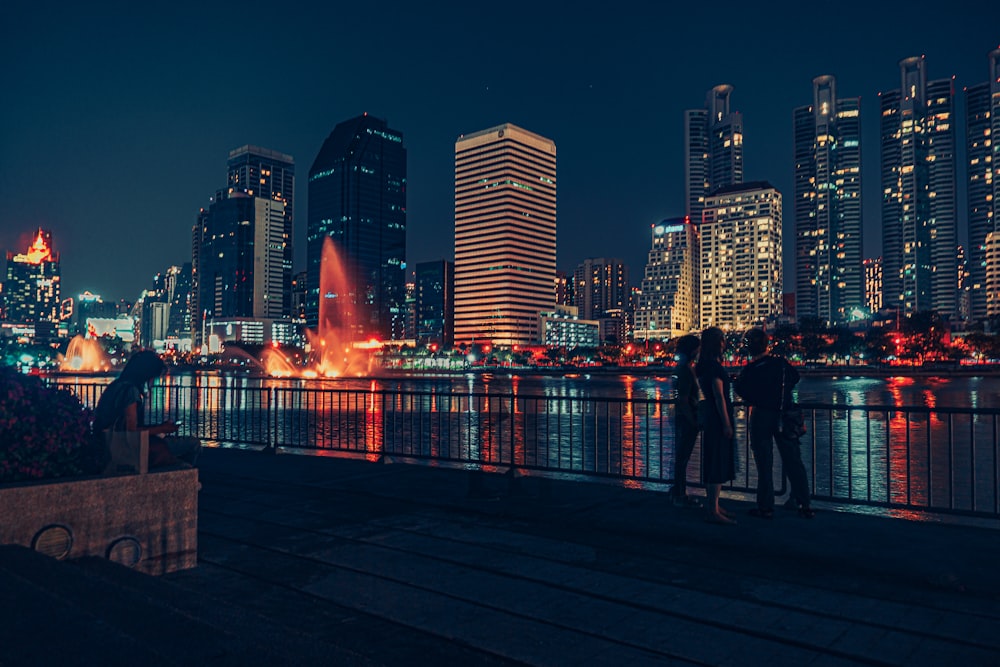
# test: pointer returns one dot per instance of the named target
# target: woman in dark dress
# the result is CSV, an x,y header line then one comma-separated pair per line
x,y
717,449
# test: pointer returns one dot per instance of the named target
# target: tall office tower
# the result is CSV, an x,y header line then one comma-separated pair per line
x,y
713,149
963,285
299,297
564,289
505,235
600,285
668,301
261,172
195,312
180,301
741,256
435,287
992,282
241,258
982,128
873,284
32,289
919,216
829,284
357,198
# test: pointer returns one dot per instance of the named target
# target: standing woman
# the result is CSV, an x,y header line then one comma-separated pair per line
x,y
717,448
685,419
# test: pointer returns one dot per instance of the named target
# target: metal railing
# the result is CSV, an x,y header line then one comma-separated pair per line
x,y
900,457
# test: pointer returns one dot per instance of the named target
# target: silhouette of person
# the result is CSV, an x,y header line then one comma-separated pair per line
x,y
121,408
717,446
760,384
685,419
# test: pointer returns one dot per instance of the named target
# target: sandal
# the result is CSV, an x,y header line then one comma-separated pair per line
x,y
807,512
719,519
761,514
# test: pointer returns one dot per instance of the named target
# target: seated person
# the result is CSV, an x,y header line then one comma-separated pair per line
x,y
121,408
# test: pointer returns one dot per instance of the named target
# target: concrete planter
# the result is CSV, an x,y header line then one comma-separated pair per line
x,y
148,522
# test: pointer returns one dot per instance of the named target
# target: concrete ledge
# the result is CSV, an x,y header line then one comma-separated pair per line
x,y
148,522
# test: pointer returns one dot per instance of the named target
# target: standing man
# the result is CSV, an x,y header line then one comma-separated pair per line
x,y
765,383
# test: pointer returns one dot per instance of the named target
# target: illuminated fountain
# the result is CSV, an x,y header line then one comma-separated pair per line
x,y
332,350
84,355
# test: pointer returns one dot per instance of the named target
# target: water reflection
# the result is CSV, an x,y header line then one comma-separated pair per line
x,y
864,446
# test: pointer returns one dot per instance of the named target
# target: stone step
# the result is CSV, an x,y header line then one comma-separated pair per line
x,y
120,616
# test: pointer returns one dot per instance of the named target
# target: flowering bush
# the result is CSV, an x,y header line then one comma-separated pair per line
x,y
42,430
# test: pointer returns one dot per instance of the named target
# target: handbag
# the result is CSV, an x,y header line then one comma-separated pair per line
x,y
129,451
792,421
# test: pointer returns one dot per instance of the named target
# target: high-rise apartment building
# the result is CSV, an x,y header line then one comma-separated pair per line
x,y
713,149
829,284
873,284
919,216
668,301
357,199
505,235
982,146
600,285
240,258
261,172
179,298
741,256
435,293
32,291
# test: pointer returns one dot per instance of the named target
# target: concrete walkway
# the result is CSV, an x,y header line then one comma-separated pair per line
x,y
315,560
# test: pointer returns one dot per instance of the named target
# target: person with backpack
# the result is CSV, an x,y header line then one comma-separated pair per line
x,y
765,384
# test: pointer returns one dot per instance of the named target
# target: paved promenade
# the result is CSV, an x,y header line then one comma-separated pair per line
x,y
314,560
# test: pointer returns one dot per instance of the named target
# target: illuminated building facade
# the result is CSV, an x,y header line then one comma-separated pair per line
x,y
241,258
357,198
741,257
261,172
992,281
435,306
982,144
32,288
873,284
600,285
563,327
668,300
829,284
713,149
505,235
179,298
919,215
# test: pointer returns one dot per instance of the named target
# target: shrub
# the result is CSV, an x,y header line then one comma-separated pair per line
x,y
42,430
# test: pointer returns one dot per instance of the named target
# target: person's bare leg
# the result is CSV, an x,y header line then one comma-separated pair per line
x,y
715,513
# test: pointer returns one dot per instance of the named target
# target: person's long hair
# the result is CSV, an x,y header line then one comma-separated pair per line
x,y
142,367
713,342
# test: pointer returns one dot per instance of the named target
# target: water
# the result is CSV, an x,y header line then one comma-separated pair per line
x,y
902,442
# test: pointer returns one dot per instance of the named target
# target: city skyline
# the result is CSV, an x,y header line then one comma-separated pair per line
x,y
147,126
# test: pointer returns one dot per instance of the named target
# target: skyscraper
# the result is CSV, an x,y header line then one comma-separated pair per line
x,y
32,290
919,217
435,287
713,149
982,142
741,256
261,172
829,282
357,198
240,258
600,284
668,302
505,234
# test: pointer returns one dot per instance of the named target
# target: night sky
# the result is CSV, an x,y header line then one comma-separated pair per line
x,y
116,124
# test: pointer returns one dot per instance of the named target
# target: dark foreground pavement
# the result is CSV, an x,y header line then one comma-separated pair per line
x,y
310,560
